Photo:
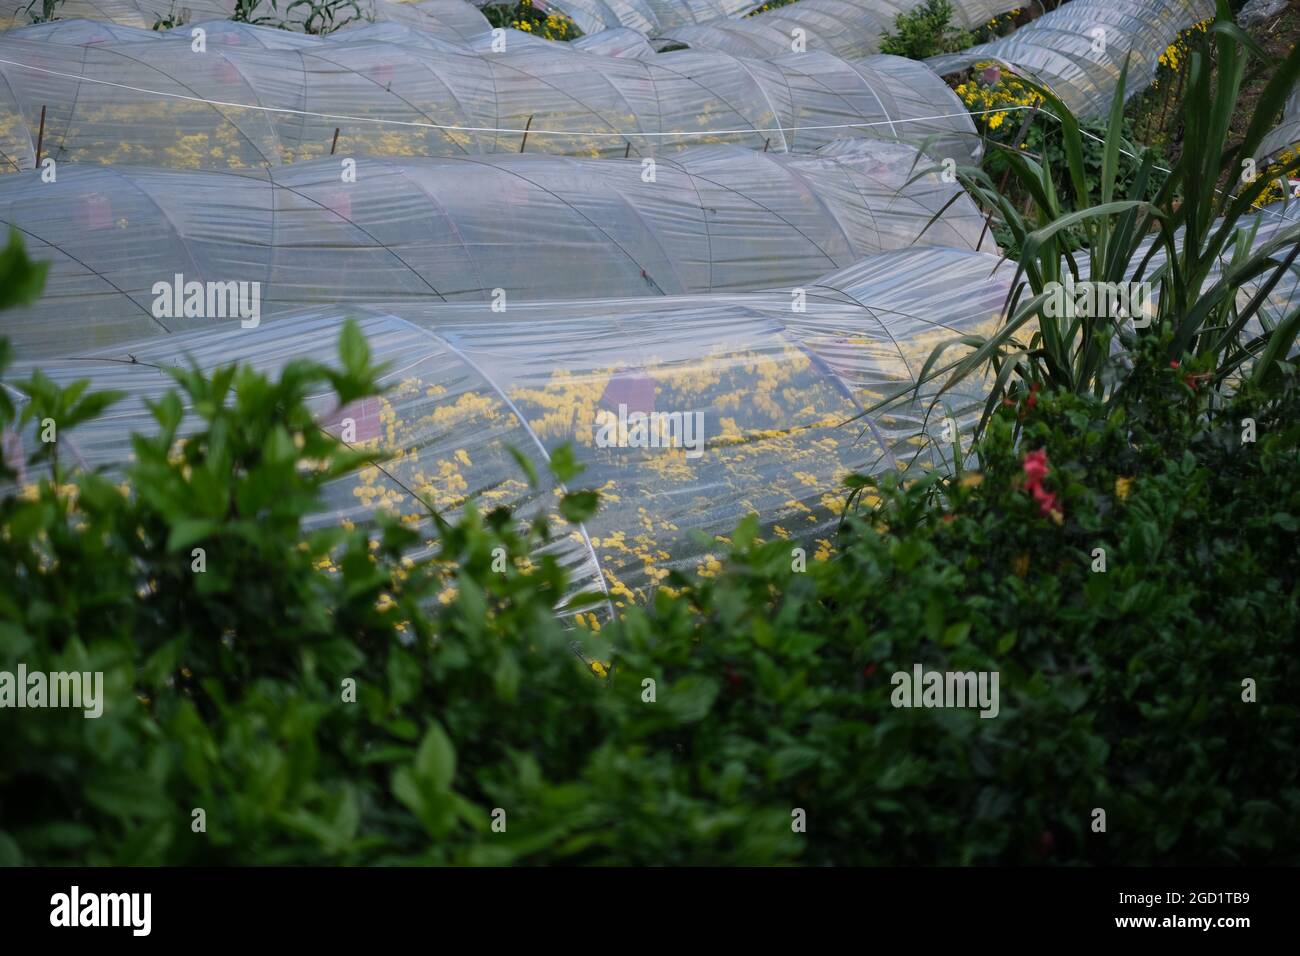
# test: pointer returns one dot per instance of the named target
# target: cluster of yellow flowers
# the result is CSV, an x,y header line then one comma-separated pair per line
x,y
1276,173
998,96
1177,52
994,27
550,26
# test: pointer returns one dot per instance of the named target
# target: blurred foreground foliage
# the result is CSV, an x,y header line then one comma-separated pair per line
x,y
1120,690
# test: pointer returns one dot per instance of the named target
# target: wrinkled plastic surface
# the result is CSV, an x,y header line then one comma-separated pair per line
x,y
1079,49
647,17
452,19
713,219
255,104
773,388
848,28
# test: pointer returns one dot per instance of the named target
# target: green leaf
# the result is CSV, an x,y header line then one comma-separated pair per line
x,y
354,350
435,760
690,698
578,506
524,464
564,464
21,279
187,531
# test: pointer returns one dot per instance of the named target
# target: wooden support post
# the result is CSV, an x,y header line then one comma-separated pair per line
x,y
40,139
336,140
527,127
1006,173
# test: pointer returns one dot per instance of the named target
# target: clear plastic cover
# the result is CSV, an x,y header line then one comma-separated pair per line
x,y
1079,49
1287,132
267,100
745,403
712,219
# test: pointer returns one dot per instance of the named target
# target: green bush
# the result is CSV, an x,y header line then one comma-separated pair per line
x,y
225,688
1121,689
926,31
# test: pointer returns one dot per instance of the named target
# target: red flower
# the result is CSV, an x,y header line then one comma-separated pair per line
x,y
1175,363
1036,469
1035,466
1032,400
1046,499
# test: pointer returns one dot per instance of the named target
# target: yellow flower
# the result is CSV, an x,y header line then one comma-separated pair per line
x,y
1122,487
1020,565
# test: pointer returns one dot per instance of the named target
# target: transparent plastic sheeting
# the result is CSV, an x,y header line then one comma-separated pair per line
x,y
849,28
159,103
714,219
450,19
647,17
768,391
621,42
1287,132
1079,48
616,41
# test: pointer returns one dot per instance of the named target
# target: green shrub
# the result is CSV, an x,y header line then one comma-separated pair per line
x,y
926,31
224,689
1121,689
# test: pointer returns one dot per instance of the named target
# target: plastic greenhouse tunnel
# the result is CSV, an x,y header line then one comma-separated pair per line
x,y
1287,134
240,107
648,17
453,20
771,389
710,219
1079,49
849,28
